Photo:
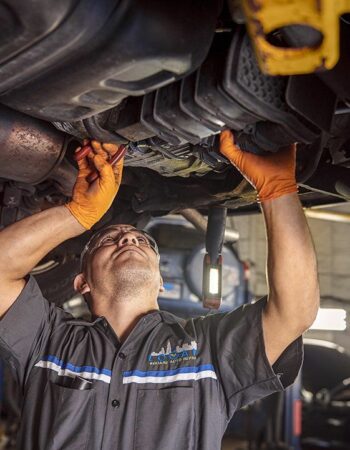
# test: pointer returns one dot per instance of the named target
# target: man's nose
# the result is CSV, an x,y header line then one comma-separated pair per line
x,y
128,239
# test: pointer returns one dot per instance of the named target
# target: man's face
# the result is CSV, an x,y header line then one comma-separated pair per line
x,y
121,254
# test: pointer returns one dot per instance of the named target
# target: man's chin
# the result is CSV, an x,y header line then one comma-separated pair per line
x,y
131,272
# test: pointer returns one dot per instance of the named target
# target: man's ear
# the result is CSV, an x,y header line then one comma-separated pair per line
x,y
80,284
161,285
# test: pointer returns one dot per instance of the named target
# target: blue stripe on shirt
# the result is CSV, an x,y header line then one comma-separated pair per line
x,y
164,373
77,369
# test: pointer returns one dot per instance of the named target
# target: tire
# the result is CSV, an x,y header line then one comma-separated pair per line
x,y
57,284
56,272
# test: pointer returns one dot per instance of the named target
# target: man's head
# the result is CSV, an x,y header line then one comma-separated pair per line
x,y
119,262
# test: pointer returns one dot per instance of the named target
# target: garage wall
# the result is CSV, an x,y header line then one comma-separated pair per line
x,y
332,243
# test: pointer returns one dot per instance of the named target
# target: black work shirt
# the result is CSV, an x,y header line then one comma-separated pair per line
x,y
172,384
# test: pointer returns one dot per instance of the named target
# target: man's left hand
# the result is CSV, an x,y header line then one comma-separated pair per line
x,y
272,175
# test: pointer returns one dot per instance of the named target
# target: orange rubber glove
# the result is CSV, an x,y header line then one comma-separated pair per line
x,y
272,176
91,201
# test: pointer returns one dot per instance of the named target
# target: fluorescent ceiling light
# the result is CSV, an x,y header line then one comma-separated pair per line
x,y
332,319
213,281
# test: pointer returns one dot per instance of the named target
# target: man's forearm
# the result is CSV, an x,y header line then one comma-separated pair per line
x,y
291,267
24,243
291,264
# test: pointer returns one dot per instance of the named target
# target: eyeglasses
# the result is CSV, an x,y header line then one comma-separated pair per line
x,y
105,238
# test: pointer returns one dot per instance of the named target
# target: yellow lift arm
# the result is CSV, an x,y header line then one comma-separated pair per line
x,y
265,16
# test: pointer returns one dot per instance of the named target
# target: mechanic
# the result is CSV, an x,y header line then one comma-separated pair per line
x,y
136,377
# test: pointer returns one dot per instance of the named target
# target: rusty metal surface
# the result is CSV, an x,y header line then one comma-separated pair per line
x,y
266,16
30,149
65,176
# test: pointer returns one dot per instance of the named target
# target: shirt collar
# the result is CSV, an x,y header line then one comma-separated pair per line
x,y
87,323
152,316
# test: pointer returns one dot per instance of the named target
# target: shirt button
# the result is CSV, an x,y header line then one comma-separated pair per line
x,y
122,355
115,403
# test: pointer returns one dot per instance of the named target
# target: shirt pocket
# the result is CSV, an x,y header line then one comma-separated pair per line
x,y
165,419
71,418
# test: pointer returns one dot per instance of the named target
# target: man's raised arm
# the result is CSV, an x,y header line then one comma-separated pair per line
x,y
293,298
24,243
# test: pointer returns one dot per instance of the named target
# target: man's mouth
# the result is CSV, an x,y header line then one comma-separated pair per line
x,y
129,248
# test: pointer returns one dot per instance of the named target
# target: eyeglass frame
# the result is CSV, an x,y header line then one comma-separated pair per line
x,y
151,243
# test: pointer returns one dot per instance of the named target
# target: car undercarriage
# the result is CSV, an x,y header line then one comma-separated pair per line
x,y
163,78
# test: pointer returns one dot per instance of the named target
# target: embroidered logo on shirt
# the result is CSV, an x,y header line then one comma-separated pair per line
x,y
185,352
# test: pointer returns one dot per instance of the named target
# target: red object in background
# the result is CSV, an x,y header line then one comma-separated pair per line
x,y
246,270
297,416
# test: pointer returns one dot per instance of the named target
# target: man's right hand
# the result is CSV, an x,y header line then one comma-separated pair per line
x,y
90,201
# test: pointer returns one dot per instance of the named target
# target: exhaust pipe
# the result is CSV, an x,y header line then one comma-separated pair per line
x,y
32,150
